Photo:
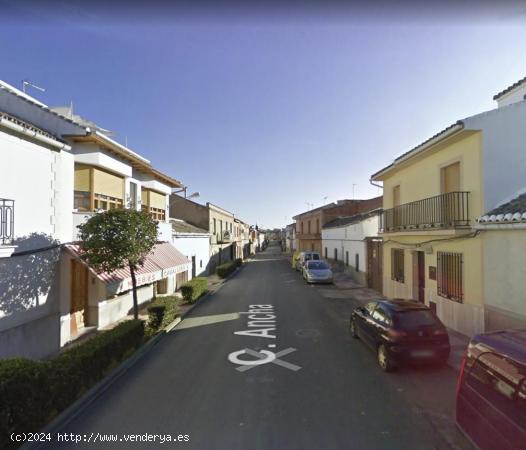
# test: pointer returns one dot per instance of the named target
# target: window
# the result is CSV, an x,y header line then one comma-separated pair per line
x,y
201,263
317,225
82,201
301,227
397,265
215,226
346,258
133,195
326,253
449,276
381,316
336,254
106,202
370,307
357,262
308,226
501,382
450,176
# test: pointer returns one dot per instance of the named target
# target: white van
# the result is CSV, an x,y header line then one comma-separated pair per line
x,y
307,256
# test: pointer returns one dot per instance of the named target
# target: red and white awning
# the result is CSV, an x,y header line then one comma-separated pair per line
x,y
162,261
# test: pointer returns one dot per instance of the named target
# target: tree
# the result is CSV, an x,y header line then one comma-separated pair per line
x,y
117,239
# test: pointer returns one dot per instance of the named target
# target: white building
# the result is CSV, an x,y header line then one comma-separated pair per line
x,y
345,240
36,195
194,243
57,172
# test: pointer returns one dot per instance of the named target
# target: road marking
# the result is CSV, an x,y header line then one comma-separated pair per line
x,y
264,357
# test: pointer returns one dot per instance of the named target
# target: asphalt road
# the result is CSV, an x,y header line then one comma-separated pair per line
x,y
337,399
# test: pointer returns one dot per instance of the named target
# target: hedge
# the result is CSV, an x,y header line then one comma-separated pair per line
x,y
194,289
162,312
33,392
227,268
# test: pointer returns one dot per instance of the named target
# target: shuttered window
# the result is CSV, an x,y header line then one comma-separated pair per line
x,y
449,276
397,265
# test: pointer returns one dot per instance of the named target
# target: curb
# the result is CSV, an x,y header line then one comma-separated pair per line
x,y
77,407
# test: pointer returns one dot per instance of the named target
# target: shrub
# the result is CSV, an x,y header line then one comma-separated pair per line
x,y
226,269
194,289
162,312
79,368
26,403
32,392
156,313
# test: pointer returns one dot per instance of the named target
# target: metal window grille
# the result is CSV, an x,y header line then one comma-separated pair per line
x,y
449,276
7,221
397,265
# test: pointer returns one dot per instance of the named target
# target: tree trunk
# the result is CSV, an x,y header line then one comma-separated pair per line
x,y
134,290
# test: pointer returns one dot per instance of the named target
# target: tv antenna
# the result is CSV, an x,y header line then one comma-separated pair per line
x,y
27,83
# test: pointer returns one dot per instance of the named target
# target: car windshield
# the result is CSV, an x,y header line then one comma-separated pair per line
x,y
415,319
317,265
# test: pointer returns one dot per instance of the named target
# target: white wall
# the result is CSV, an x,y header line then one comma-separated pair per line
x,y
40,181
194,245
516,95
350,238
504,151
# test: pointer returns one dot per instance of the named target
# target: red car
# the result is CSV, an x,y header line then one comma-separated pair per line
x,y
491,391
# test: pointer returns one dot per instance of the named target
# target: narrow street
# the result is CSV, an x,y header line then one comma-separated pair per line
x,y
324,392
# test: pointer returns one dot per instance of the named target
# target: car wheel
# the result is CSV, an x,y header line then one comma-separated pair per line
x,y
383,359
352,329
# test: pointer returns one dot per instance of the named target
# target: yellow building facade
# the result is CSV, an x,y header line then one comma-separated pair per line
x,y
432,198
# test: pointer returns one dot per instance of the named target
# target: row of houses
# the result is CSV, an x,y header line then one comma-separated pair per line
x,y
59,169
450,227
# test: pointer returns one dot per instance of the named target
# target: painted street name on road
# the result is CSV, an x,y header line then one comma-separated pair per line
x,y
261,324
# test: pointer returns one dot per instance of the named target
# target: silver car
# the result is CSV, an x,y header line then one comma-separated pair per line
x,y
317,272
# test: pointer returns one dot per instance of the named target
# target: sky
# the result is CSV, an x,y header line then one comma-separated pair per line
x,y
267,111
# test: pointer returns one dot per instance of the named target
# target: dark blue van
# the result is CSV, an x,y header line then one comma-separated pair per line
x,y
491,391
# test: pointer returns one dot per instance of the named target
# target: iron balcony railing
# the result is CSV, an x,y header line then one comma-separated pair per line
x,y
449,210
7,221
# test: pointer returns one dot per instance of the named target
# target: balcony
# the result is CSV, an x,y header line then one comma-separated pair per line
x,y
440,212
7,221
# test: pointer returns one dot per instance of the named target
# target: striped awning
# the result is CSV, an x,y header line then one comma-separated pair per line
x,y
162,261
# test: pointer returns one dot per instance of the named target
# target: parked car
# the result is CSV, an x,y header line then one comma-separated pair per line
x,y
317,271
306,256
491,391
401,331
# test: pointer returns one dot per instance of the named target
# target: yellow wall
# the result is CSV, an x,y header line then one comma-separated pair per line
x,y
422,178
82,178
419,179
108,184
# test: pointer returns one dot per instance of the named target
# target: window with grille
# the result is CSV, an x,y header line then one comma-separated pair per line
x,y
449,276
397,265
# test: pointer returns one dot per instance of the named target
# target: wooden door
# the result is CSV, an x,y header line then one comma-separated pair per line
x,y
419,276
79,297
451,178
375,264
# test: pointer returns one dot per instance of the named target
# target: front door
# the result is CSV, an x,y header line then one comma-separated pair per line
x,y
79,297
419,274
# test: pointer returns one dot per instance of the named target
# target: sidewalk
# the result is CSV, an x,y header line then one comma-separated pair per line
x,y
346,288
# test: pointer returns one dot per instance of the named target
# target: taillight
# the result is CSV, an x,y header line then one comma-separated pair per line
x,y
440,332
461,373
397,333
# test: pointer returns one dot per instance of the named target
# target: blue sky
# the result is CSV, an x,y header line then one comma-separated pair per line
x,y
265,113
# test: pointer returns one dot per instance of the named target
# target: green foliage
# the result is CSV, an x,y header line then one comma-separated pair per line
x,y
156,315
224,270
162,312
295,259
116,239
32,392
194,289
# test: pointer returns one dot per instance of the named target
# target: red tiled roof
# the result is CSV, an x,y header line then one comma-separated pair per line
x,y
163,260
